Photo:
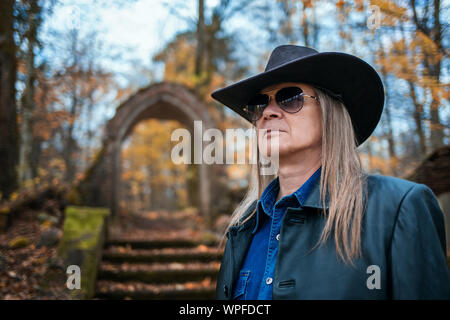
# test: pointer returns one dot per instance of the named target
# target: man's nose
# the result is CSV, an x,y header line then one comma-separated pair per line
x,y
272,110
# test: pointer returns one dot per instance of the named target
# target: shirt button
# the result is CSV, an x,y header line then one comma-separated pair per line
x,y
278,237
269,280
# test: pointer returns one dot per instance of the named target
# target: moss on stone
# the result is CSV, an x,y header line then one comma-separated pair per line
x,y
19,242
74,197
83,237
5,210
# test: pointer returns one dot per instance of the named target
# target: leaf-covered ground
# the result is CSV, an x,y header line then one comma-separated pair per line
x,y
28,269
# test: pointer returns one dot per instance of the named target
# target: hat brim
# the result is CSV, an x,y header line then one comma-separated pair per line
x,y
355,80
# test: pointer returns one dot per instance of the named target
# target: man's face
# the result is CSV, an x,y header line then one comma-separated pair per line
x,y
295,131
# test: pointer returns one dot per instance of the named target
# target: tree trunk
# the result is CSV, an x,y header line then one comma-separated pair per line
x,y
437,132
432,65
370,157
69,140
69,143
28,105
436,128
393,160
8,112
200,50
418,111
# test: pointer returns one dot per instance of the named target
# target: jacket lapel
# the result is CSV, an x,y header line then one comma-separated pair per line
x,y
313,200
240,238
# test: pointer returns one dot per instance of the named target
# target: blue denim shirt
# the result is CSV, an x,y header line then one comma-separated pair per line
x,y
256,275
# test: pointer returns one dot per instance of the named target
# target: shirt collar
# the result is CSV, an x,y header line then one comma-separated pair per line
x,y
268,197
295,199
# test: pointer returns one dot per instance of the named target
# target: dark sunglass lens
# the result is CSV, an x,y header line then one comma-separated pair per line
x,y
256,105
290,99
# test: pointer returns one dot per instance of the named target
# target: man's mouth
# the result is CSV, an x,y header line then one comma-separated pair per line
x,y
272,131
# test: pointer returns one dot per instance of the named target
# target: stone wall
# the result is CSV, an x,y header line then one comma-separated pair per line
x,y
164,101
84,235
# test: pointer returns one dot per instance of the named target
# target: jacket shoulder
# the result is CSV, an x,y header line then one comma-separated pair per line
x,y
386,195
249,211
389,184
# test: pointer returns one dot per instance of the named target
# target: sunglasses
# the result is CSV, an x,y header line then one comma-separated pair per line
x,y
289,99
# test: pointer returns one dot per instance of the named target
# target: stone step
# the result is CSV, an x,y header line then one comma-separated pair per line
x,y
158,243
140,291
124,254
157,273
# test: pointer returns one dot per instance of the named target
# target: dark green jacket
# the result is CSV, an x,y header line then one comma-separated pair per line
x,y
403,249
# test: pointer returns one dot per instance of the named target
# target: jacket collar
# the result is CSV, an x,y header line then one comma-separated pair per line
x,y
240,236
312,201
250,222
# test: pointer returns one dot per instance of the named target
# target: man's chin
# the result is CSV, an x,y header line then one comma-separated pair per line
x,y
283,152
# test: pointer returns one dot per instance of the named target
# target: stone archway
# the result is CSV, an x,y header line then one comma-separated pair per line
x,y
164,101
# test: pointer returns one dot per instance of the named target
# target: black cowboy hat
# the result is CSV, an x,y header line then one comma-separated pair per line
x,y
343,76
